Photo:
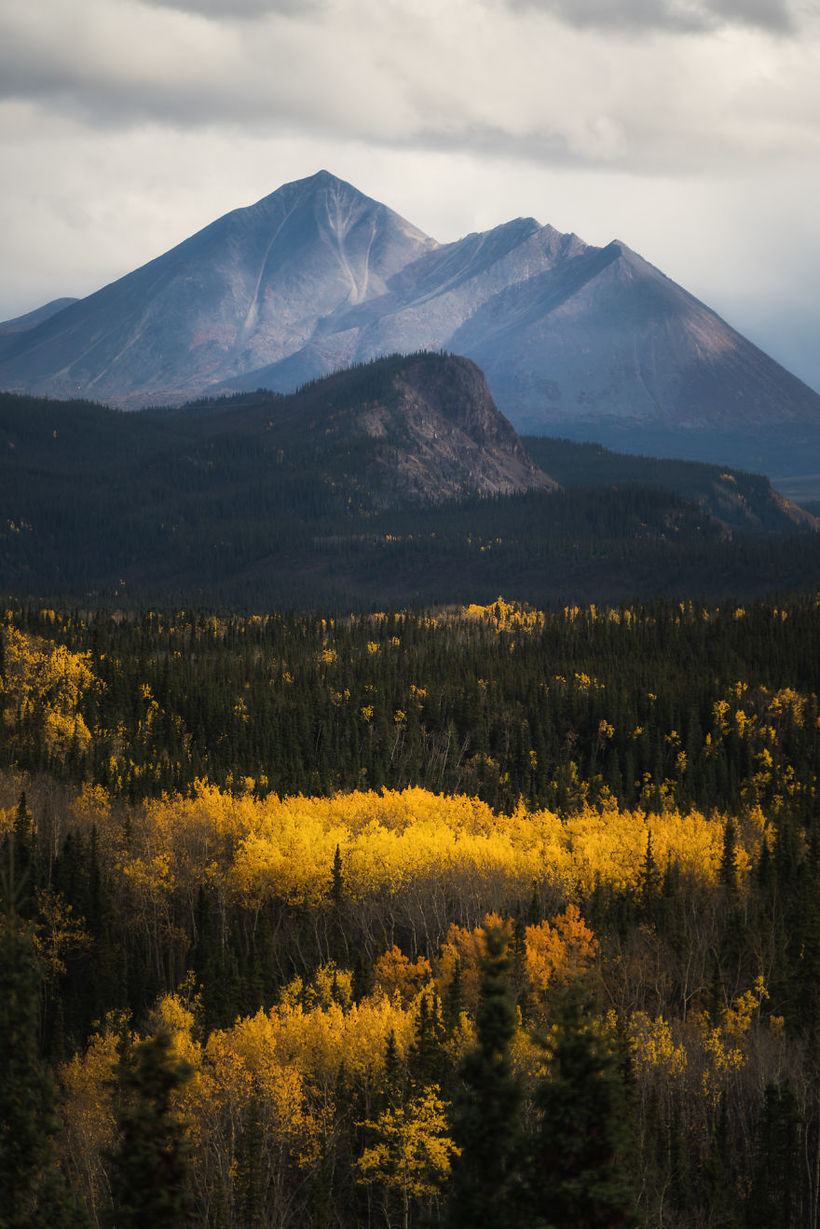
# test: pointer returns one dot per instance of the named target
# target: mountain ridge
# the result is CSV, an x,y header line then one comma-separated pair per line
x,y
316,276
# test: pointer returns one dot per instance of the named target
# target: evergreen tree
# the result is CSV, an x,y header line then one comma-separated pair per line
x,y
150,1164
249,1181
20,859
393,1071
649,884
578,1175
485,1188
774,1199
427,1058
32,1192
728,861
453,1004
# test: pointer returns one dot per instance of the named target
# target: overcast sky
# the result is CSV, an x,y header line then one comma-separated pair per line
x,y
690,129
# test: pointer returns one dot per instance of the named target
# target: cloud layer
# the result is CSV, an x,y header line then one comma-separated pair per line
x,y
551,80
680,16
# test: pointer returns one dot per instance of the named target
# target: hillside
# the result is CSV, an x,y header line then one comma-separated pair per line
x,y
394,483
740,501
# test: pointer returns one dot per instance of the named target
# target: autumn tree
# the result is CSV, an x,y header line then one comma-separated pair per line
x,y
411,1151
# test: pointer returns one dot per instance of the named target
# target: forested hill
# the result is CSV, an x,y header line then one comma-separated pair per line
x,y
394,483
739,500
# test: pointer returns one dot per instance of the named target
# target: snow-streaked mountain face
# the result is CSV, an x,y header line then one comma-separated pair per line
x,y
249,290
317,276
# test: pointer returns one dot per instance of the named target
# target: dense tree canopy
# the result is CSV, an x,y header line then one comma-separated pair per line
x,y
364,877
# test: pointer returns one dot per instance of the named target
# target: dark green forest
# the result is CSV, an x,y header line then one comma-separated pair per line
x,y
511,706
262,501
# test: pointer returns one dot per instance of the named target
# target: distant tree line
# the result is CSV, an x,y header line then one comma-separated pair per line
x,y
677,702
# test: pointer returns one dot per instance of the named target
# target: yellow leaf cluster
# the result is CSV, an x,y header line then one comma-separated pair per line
x,y
317,1041
558,952
555,952
409,846
49,678
396,974
653,1046
413,1149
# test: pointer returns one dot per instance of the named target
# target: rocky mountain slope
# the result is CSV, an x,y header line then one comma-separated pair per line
x,y
250,289
407,429
574,339
22,324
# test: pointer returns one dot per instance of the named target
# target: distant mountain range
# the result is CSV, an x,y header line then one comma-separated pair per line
x,y
574,340
396,482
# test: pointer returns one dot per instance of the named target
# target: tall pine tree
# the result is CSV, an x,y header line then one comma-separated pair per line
x,y
32,1190
148,1170
579,1173
485,1188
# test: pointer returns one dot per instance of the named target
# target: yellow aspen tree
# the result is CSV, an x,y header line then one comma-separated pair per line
x,y
411,1153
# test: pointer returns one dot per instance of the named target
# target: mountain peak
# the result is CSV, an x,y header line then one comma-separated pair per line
x,y
323,186
311,185
317,276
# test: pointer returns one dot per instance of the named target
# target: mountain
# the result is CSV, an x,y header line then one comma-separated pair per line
x,y
21,324
396,482
250,289
574,340
406,430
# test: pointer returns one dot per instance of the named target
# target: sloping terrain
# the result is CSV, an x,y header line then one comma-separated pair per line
x,y
249,289
394,483
740,501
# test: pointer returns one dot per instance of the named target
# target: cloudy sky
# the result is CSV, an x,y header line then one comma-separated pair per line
x,y
690,129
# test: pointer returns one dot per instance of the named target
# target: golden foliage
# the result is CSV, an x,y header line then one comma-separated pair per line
x,y
396,974
555,952
48,679
409,848
413,1150
87,1110
559,952
653,1046
58,932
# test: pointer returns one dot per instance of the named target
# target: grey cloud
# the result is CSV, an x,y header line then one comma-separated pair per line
x,y
768,14
234,9
680,16
572,102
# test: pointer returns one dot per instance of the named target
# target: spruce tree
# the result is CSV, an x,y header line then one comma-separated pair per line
x,y
775,1196
149,1167
32,1190
485,1188
728,862
578,1174
649,884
